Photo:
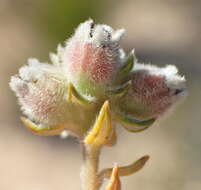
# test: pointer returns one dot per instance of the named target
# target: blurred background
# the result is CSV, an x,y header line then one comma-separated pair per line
x,y
162,32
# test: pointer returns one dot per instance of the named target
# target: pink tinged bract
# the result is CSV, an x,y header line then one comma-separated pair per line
x,y
93,57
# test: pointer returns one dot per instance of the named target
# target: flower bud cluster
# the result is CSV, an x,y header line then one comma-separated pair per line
x,y
90,69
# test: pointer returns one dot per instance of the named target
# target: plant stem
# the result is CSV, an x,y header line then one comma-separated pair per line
x,y
89,171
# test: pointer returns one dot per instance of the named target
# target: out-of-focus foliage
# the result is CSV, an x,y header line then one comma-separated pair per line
x,y
62,16
57,19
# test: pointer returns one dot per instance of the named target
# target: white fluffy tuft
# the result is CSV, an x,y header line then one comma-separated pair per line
x,y
170,72
97,35
32,71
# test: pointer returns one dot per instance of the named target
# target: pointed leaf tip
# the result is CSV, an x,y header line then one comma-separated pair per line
x,y
41,129
126,170
134,125
102,130
114,183
121,90
128,66
73,95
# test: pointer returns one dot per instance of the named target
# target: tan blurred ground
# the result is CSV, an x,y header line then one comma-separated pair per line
x,y
163,32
